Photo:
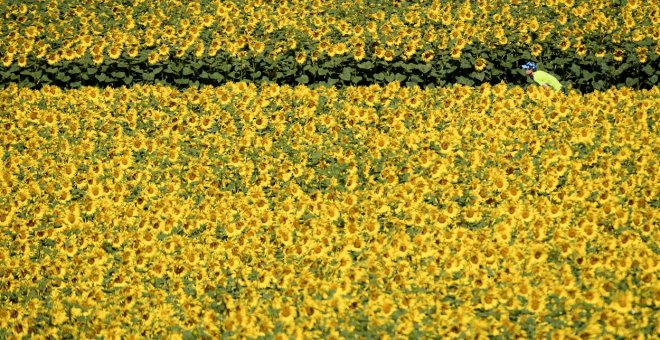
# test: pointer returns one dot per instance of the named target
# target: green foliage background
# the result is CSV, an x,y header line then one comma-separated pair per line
x,y
503,65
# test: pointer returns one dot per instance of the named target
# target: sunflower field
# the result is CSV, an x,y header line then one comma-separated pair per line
x,y
313,169
365,211
595,44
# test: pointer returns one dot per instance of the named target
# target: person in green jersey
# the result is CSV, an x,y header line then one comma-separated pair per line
x,y
543,78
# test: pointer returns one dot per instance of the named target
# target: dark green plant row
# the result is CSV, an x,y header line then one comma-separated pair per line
x,y
583,74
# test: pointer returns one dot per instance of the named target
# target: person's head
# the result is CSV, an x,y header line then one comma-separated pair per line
x,y
529,68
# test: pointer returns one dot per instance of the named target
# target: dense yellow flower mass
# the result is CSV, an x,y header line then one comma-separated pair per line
x,y
101,30
272,211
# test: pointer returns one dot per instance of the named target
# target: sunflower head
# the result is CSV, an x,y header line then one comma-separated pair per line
x,y
359,54
133,51
427,56
480,64
536,50
153,57
301,57
456,53
618,55
21,61
114,52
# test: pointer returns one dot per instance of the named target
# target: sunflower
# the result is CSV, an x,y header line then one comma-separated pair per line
x,y
133,51
163,50
539,254
427,56
488,301
7,60
456,53
223,96
199,49
642,54
472,214
21,61
257,47
180,52
153,57
260,123
388,55
358,54
480,64
95,190
381,141
114,52
536,50
618,54
301,57
98,59
52,58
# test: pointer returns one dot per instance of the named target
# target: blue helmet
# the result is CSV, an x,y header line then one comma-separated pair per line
x,y
529,66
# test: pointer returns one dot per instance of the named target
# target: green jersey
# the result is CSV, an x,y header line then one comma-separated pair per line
x,y
546,78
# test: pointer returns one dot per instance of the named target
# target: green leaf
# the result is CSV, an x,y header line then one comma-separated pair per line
x,y
648,69
478,75
197,64
346,73
575,68
187,71
589,75
399,77
175,68
310,68
409,67
465,81
63,77
128,80
119,74
303,79
367,65
425,68
415,79
598,85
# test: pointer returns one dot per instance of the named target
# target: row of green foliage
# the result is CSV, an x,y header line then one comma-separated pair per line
x,y
584,74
